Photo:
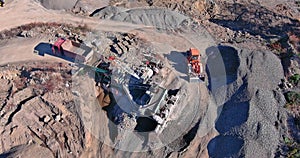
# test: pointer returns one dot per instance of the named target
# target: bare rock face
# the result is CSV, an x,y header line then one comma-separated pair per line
x,y
38,116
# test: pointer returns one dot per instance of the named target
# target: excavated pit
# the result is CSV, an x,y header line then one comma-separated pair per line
x,y
145,124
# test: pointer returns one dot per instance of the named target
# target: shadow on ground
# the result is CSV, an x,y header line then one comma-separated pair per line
x,y
225,146
179,62
221,66
234,114
46,48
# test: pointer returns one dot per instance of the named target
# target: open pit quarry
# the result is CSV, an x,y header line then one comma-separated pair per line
x,y
117,78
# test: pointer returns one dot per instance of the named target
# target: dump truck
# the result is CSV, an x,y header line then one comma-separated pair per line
x,y
80,54
72,50
195,68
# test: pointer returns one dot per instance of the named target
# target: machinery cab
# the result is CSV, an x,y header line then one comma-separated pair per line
x,y
194,55
57,47
195,67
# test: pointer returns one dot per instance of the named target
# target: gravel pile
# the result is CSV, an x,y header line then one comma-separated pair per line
x,y
249,121
58,4
159,18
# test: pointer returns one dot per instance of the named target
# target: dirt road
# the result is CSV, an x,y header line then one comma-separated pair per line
x,y
20,12
33,12
13,51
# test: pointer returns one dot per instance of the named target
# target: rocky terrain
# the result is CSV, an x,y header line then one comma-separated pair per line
x,y
248,107
36,105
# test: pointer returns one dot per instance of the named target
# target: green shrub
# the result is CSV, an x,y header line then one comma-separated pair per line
x,y
294,79
292,97
287,140
293,151
293,148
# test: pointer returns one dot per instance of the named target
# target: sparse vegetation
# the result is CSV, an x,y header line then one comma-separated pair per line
x,y
293,102
293,148
82,28
276,46
8,34
294,79
280,45
297,122
294,40
293,98
291,145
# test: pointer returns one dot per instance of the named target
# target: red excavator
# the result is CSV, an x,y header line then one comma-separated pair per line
x,y
195,66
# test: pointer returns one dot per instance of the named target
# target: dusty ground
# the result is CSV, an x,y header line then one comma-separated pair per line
x,y
236,115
